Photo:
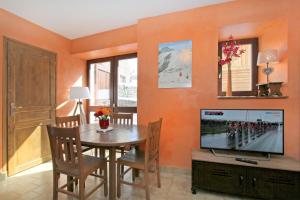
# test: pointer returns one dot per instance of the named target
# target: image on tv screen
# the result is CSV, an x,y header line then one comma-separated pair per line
x,y
246,130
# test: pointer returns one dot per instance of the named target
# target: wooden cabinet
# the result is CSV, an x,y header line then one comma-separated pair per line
x,y
245,179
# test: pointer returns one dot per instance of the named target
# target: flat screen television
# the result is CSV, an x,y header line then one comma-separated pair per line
x,y
243,130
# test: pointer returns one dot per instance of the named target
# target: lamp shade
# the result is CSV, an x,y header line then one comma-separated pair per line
x,y
79,93
267,56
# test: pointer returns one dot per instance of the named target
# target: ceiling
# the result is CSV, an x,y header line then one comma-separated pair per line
x,y
78,18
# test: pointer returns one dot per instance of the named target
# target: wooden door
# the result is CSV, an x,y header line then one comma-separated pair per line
x,y
30,105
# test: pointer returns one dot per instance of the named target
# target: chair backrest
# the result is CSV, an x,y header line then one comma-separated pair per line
x,y
152,142
68,121
122,118
65,148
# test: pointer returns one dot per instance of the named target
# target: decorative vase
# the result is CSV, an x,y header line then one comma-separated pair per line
x,y
229,81
104,123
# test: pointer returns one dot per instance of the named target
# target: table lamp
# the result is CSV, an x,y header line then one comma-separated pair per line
x,y
79,93
265,58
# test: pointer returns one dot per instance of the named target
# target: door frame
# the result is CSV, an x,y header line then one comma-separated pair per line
x,y
113,80
4,166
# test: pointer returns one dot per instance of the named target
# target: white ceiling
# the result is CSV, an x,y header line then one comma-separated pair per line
x,y
78,18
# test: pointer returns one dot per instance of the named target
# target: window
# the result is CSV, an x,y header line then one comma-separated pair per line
x,y
243,70
113,83
127,82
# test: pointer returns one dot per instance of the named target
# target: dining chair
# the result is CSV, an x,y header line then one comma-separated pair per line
x,y
142,160
68,122
122,118
67,158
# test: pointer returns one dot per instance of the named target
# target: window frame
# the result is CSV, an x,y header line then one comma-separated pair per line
x,y
113,87
254,43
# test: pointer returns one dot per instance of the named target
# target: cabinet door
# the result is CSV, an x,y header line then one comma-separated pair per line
x,y
287,185
198,174
225,178
258,183
273,184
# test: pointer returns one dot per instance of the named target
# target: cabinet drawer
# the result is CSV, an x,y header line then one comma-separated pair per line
x,y
225,178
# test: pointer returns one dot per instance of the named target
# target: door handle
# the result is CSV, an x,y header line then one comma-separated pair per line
x,y
253,182
12,109
241,180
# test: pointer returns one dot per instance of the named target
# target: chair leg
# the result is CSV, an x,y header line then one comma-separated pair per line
x,y
102,155
133,171
105,181
55,185
96,155
147,183
81,189
158,173
122,154
118,180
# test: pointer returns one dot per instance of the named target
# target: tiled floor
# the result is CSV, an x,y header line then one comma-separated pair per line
x,y
36,184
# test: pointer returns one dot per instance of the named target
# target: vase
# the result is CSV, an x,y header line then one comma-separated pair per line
x,y
229,81
104,123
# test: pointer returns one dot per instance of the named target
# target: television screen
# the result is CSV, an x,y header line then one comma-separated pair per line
x,y
243,130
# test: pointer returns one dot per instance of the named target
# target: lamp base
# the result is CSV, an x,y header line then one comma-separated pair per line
x,y
81,112
267,70
269,89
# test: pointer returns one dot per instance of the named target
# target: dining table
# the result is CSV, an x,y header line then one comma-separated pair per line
x,y
119,135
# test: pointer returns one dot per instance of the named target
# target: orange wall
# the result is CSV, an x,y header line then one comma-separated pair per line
x,y
104,40
180,107
69,69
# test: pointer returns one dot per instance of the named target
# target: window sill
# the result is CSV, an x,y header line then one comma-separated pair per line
x,y
252,97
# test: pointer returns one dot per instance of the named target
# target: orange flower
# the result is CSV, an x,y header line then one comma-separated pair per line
x,y
103,113
106,111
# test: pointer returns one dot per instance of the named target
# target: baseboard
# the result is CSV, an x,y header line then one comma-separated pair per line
x,y
3,176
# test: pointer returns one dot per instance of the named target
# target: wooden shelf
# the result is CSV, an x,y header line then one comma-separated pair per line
x,y
252,97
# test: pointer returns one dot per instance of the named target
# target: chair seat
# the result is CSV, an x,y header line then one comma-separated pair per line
x,y
134,158
125,148
89,164
84,148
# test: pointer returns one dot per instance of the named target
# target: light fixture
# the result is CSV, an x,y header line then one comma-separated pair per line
x,y
265,58
79,93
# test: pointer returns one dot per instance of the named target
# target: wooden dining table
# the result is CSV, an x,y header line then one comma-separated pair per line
x,y
120,135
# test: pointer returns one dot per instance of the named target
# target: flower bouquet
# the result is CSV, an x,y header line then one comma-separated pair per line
x,y
231,49
103,116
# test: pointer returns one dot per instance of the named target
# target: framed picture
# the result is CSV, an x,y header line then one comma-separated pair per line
x,y
175,64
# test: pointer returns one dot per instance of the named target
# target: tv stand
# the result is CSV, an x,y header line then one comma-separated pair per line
x,y
267,155
279,178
